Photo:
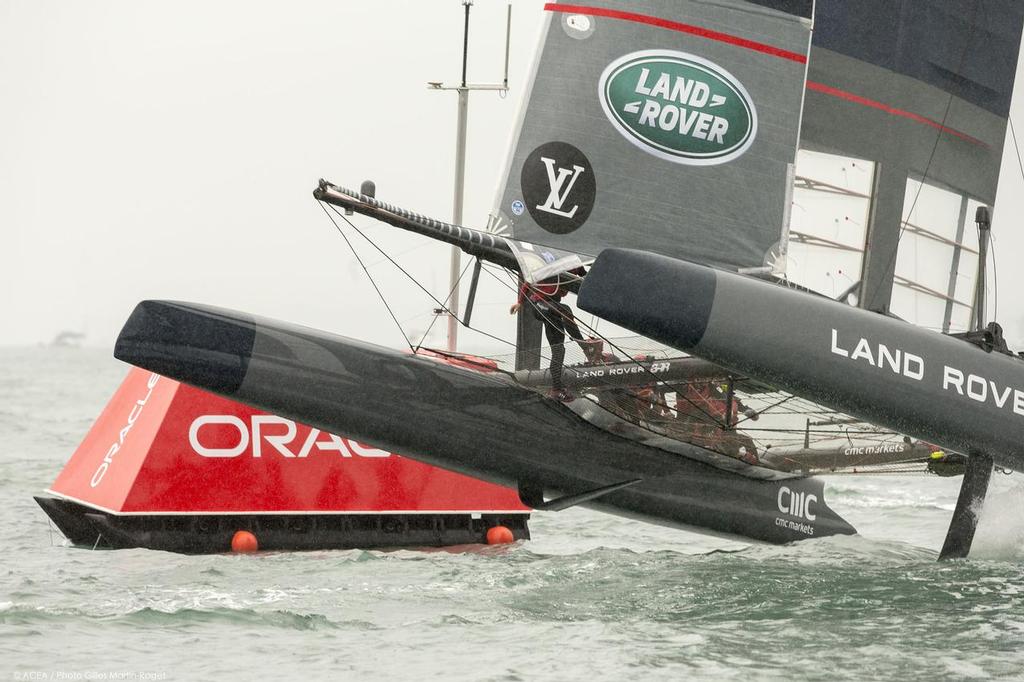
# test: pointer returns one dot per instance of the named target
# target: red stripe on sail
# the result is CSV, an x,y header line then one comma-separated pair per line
x,y
864,101
757,47
680,27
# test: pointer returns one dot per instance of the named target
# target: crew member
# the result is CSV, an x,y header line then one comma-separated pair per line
x,y
649,399
703,407
558,320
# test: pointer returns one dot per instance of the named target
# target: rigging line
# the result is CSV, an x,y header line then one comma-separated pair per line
x,y
411,278
413,318
931,157
1016,147
427,332
831,435
515,290
383,253
770,407
370,277
490,271
400,253
995,275
657,380
613,345
447,299
610,343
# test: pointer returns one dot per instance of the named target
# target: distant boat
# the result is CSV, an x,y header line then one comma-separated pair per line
x,y
68,339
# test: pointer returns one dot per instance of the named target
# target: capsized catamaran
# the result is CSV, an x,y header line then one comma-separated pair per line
x,y
666,140
170,467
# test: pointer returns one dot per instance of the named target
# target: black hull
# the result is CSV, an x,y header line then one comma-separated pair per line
x,y
955,395
480,424
212,533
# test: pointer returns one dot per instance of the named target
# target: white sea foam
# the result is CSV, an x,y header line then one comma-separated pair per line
x,y
1000,532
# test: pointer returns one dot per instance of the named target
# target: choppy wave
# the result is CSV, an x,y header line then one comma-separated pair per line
x,y
19,614
591,596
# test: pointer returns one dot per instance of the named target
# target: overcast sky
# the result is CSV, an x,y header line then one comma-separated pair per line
x,y
168,150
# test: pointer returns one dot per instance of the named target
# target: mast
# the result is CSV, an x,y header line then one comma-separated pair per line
x,y
984,220
463,89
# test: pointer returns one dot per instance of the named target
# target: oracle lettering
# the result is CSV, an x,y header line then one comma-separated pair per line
x,y
264,434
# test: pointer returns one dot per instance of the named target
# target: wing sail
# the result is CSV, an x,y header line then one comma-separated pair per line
x,y
920,89
667,125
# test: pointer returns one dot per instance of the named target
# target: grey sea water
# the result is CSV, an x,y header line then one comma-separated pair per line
x,y
591,597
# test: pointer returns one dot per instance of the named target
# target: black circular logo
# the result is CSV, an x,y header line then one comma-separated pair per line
x,y
559,187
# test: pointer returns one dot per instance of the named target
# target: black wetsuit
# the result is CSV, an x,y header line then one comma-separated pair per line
x,y
558,321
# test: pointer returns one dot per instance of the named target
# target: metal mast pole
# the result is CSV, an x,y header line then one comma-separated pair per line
x,y
463,89
460,181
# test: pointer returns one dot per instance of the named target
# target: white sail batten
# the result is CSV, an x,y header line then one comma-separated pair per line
x,y
920,88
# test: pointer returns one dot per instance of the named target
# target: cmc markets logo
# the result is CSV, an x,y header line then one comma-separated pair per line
x,y
558,186
678,107
796,504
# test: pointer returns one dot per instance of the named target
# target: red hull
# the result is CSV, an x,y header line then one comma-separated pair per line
x,y
162,448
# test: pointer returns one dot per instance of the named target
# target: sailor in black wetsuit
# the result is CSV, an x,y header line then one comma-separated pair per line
x,y
558,320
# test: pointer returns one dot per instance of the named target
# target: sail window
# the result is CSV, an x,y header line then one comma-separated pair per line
x,y
937,260
828,221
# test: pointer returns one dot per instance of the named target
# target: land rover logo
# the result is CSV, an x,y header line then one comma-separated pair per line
x,y
558,186
678,107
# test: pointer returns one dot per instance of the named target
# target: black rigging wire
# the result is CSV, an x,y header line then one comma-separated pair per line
x,y
611,344
931,156
405,272
713,420
749,428
446,298
654,377
370,277
770,407
1020,167
1016,147
995,273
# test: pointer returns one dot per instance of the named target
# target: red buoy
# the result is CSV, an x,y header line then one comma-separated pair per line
x,y
498,535
244,541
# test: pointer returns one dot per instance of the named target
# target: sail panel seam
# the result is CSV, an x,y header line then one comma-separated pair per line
x,y
680,27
